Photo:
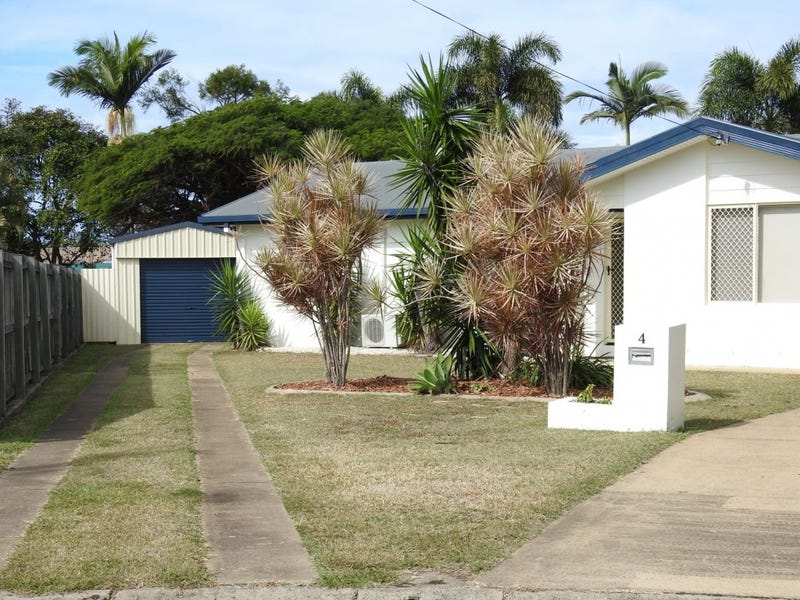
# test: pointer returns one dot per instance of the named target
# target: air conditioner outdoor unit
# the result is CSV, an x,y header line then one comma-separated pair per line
x,y
378,330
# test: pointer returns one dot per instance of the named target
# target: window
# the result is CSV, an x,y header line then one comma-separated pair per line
x,y
754,254
732,254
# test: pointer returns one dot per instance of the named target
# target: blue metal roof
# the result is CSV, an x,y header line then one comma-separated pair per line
x,y
165,229
713,129
254,208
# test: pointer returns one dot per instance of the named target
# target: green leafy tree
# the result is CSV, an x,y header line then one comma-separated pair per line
x,y
111,75
740,88
12,208
528,236
505,82
169,92
633,97
231,84
43,152
176,173
321,223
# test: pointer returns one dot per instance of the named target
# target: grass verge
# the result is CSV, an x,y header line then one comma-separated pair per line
x,y
46,403
127,512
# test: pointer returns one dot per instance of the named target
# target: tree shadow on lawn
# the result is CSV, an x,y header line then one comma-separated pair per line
x,y
59,409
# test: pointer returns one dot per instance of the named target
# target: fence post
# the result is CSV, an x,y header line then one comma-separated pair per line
x,y
19,332
3,357
44,311
34,320
58,329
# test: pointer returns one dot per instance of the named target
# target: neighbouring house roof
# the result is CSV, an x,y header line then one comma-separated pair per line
x,y
389,199
166,229
254,208
691,132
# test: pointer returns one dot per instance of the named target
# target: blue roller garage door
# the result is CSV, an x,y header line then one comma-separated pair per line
x,y
174,300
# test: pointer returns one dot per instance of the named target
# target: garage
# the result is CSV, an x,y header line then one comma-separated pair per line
x,y
158,285
175,295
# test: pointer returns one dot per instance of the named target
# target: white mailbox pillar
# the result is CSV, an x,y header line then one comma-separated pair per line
x,y
649,377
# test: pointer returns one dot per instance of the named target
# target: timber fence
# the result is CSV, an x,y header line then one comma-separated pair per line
x,y
42,324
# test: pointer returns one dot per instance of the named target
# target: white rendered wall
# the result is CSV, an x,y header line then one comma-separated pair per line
x,y
666,252
290,329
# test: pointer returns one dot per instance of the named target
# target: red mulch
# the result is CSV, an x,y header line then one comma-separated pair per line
x,y
385,383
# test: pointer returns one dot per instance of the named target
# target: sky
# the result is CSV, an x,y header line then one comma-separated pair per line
x,y
310,44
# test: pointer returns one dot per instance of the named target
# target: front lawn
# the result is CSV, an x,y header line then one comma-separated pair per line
x,y
378,485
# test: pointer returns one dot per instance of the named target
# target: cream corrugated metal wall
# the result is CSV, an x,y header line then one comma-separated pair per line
x,y
123,293
99,302
178,243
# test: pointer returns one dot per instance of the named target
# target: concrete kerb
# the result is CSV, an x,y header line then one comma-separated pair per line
x,y
284,592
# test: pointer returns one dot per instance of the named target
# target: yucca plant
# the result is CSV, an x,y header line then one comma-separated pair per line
x,y
321,220
527,235
254,327
436,378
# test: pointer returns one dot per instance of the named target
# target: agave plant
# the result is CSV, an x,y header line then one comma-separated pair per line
x,y
436,377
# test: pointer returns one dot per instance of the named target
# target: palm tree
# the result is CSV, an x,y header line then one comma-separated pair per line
x,y
630,98
357,86
112,75
740,88
506,81
436,139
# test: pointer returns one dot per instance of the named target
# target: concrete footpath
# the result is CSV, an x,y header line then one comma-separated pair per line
x,y
718,513
24,486
250,534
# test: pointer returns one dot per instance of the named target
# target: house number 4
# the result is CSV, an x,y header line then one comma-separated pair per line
x,y
641,338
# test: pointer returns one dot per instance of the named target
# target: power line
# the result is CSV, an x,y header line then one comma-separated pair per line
x,y
541,64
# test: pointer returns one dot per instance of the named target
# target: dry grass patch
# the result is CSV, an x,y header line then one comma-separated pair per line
x,y
127,513
378,484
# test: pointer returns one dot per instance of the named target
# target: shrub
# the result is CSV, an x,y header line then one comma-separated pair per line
x,y
237,313
596,370
254,327
436,377
528,371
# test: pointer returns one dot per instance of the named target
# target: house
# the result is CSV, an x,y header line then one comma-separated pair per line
x,y
706,216
243,219
706,234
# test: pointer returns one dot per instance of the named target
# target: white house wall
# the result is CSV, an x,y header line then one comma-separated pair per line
x,y
291,329
666,252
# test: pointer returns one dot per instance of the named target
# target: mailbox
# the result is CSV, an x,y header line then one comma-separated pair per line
x,y
650,376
